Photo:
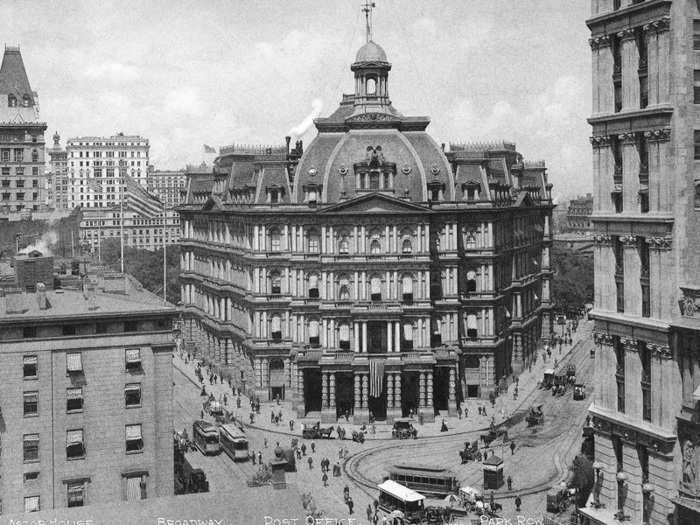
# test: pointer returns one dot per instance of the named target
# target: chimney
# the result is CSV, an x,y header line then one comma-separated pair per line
x,y
41,296
91,297
443,147
288,140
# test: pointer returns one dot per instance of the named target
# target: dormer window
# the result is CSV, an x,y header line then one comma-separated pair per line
x,y
375,247
435,191
26,101
12,101
371,86
406,247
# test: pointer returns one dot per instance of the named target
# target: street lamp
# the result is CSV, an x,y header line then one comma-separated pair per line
x,y
597,466
622,481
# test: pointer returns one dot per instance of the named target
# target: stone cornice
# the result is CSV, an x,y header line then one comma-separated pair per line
x,y
602,338
658,26
629,241
603,240
599,42
655,438
629,344
659,243
661,351
628,138
658,135
626,34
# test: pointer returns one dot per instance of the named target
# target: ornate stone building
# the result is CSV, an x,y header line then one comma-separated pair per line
x,y
372,271
646,144
578,215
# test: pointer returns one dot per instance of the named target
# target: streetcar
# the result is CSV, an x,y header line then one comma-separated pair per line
x,y
206,437
395,498
424,479
233,442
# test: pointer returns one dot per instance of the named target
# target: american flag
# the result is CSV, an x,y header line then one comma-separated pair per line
x,y
139,200
376,377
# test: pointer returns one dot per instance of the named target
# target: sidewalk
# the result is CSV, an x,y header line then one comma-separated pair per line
x,y
505,405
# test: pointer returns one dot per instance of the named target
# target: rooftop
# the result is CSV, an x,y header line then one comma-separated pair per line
x,y
13,76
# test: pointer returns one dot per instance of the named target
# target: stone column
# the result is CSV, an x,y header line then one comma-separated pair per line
x,y
397,336
429,412
452,400
389,332
358,393
630,171
632,265
630,65
356,335
329,414
364,337
421,390
633,377
397,393
324,391
390,391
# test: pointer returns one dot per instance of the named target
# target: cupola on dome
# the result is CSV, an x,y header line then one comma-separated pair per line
x,y
371,52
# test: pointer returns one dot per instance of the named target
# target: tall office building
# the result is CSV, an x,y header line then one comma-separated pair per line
x,y
22,178
372,271
168,186
98,165
646,166
59,188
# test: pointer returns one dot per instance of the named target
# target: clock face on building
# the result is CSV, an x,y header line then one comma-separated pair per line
x,y
406,169
343,170
313,172
434,170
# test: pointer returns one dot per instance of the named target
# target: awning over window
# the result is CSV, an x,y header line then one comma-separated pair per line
x,y
74,362
74,393
133,432
133,355
30,360
276,323
313,329
344,332
74,436
408,332
407,284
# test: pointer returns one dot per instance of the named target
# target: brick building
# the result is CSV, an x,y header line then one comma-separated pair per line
x,y
167,186
578,214
85,394
647,261
371,271
22,179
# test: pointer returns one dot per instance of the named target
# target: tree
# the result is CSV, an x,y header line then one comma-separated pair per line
x,y
572,286
147,267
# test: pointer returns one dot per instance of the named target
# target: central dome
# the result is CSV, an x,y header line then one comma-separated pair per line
x,y
371,52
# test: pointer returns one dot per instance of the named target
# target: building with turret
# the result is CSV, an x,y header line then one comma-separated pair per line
x,y
646,217
22,179
372,272
59,186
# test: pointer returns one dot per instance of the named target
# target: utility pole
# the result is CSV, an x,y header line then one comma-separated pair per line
x,y
165,264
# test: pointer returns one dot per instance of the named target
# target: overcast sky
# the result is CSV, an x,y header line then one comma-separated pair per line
x,y
187,73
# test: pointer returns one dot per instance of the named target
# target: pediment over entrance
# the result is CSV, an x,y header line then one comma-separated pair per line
x,y
376,202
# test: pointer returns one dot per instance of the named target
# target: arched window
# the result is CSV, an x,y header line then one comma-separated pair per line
x,y
314,242
313,333
408,336
472,324
276,327
407,246
469,239
344,288
343,245
275,240
471,281
371,86
376,288
275,283
407,282
313,197
26,100
276,364
35,156
313,286
11,101
375,247
344,336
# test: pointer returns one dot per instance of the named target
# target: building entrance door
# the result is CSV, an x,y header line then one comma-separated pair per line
x,y
441,387
312,390
344,393
410,390
377,406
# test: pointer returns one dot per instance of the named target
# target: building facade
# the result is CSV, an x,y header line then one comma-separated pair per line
x,y
371,272
647,261
142,232
85,393
168,186
578,214
97,166
59,186
22,179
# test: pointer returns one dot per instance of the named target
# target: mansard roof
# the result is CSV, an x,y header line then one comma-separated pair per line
x,y
13,76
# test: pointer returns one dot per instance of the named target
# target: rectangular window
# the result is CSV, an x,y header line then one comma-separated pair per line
x,y
31,404
28,332
696,86
74,399
19,183
31,504
30,365
644,278
68,329
130,326
132,394
133,359
618,249
75,494
75,447
696,141
696,40
74,362
620,374
30,447
134,439
645,358
19,155
30,476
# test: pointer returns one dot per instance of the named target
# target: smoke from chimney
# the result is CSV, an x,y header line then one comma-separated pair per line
x,y
43,245
304,125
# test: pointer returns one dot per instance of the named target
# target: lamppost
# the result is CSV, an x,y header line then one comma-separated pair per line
x,y
647,501
622,481
597,466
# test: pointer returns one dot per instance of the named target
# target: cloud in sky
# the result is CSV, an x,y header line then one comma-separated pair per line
x,y
184,73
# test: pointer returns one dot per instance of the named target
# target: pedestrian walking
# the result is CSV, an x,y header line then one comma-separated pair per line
x,y
279,414
291,425
369,511
518,502
459,412
259,457
265,442
313,447
510,483
375,518
350,505
310,462
324,478
512,448
252,418
303,449
298,454
253,457
201,414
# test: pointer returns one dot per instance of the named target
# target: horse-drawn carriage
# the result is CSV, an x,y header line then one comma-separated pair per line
x,y
494,433
358,436
547,379
471,452
316,432
535,416
579,391
559,498
403,429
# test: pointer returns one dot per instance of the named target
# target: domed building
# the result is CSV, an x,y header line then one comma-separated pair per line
x,y
371,272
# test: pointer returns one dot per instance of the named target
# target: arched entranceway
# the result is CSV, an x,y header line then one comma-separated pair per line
x,y
312,390
441,387
277,378
410,390
344,393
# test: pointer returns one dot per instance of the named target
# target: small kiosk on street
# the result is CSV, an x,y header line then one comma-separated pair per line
x,y
493,473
